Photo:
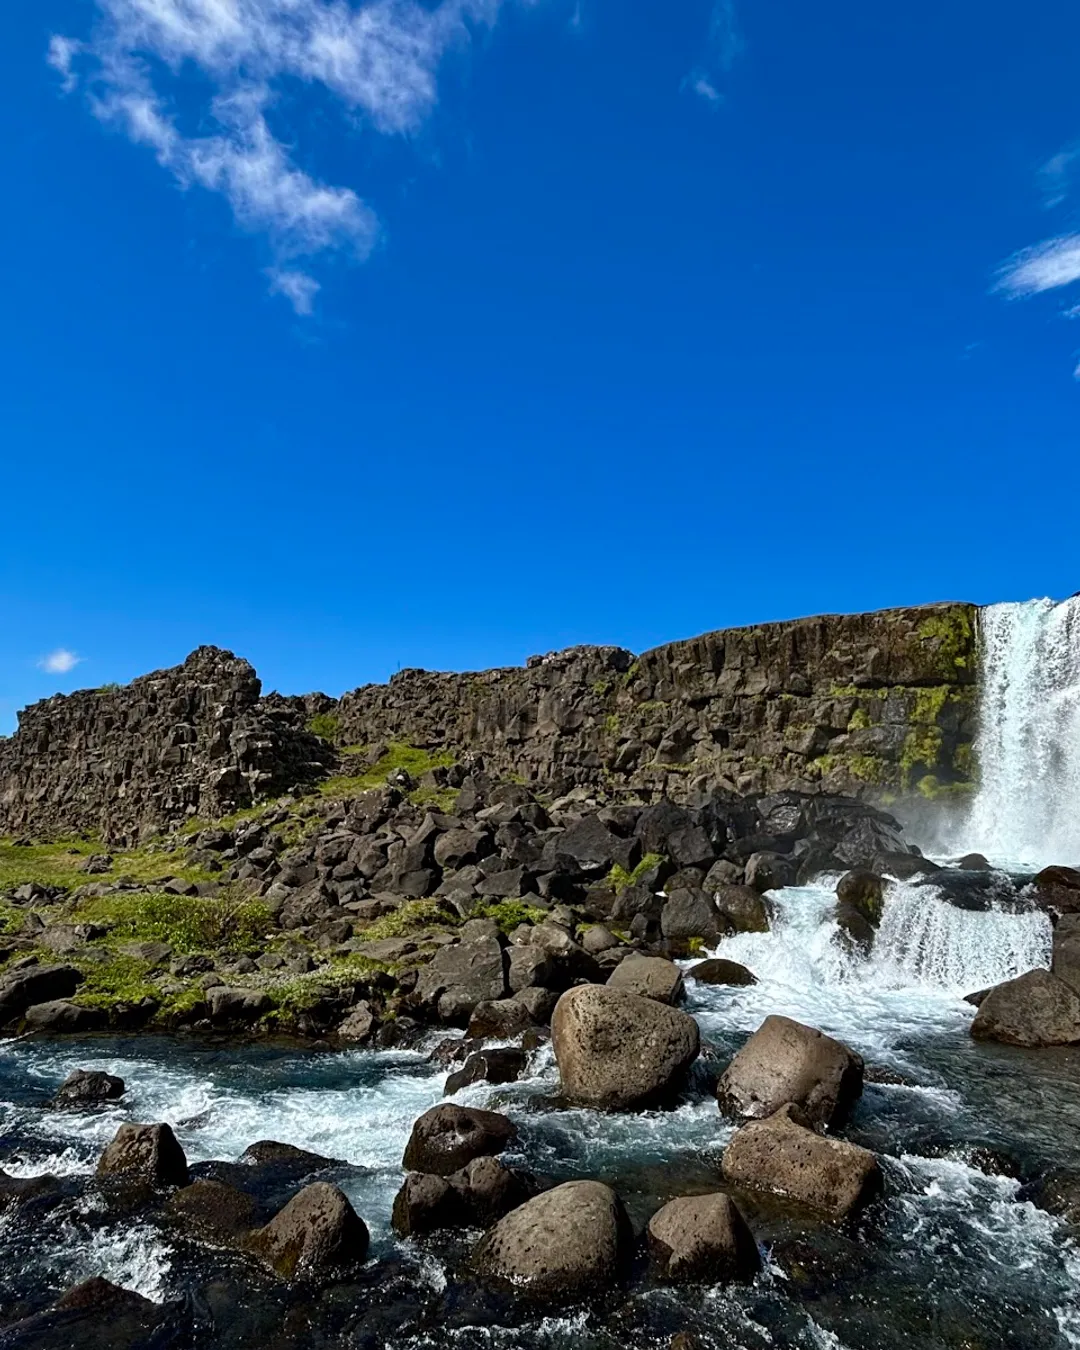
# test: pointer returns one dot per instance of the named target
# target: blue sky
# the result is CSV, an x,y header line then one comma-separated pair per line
x,y
359,336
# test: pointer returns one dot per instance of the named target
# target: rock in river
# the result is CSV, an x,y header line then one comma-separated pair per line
x,y
147,1153
783,1156
568,1242
619,1050
784,1061
88,1087
1036,1009
703,1237
448,1137
650,976
318,1234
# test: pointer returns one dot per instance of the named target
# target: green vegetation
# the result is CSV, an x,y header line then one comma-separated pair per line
x,y
410,918
63,864
399,756
110,688
124,979
859,720
602,688
304,992
611,724
619,878
954,633
327,725
510,914
866,768
231,921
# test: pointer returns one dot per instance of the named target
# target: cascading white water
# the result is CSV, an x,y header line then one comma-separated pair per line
x,y
1026,811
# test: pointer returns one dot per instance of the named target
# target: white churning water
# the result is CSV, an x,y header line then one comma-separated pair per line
x,y
1027,807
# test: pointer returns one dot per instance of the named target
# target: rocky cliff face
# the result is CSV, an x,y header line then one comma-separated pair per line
x,y
872,704
129,761
876,704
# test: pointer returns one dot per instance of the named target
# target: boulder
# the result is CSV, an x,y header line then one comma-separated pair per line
x,y
538,1003
21,989
598,938
691,914
781,1155
767,871
487,1066
213,1210
1037,1009
317,1235
93,1315
424,1203
1058,889
619,1050
357,1025
447,1138
1065,962
650,976
744,909
476,1196
237,1005
569,1242
703,1237
500,1020
458,978
718,971
864,892
145,1153
785,1061
88,1087
63,1016
973,862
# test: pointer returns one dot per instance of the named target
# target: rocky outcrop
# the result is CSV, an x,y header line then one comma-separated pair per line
x,y
126,762
780,1154
784,1061
568,1242
846,703
620,1051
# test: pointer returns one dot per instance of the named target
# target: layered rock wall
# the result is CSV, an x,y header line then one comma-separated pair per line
x,y
876,704
124,762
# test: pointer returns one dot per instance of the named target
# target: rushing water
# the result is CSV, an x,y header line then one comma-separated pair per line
x,y
954,1256
1028,745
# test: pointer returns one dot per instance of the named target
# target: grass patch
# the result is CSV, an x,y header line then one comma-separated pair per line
x,y
510,914
619,878
304,992
59,864
410,918
124,979
399,756
231,921
327,725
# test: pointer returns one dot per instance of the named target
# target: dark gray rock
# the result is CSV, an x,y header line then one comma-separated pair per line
x,y
88,1087
718,971
691,914
487,1066
447,1138
145,1153
317,1236
21,989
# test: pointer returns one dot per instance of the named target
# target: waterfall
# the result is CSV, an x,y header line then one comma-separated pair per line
x,y
1026,811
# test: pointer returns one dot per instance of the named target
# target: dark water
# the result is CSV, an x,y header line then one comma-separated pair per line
x,y
953,1256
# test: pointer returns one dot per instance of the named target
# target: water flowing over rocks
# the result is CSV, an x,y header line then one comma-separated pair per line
x,y
618,1050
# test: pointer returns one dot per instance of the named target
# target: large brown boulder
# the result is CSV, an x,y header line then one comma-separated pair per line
x,y
784,1061
213,1210
448,1137
1036,1009
782,1155
146,1153
317,1235
650,976
863,891
620,1051
703,1237
568,1242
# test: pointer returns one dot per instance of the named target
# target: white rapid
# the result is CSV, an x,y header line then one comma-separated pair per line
x,y
1027,808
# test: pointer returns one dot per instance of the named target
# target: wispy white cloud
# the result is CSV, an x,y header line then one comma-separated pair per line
x,y
60,661
377,59
1053,263
725,46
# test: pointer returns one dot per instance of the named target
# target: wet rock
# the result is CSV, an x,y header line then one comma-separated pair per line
x,y
691,914
61,1016
1036,1010
487,1066
318,1235
21,989
650,976
458,978
476,1196
904,866
88,1087
286,1158
785,1061
864,892
146,1153
744,908
766,871
781,1155
703,1237
447,1138
569,1242
1059,1193
17,1192
94,1315
973,862
237,1005
424,1203
618,1050
213,1210
1065,962
718,971
1058,889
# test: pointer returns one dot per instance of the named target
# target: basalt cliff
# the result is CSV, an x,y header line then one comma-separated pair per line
x,y
874,705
